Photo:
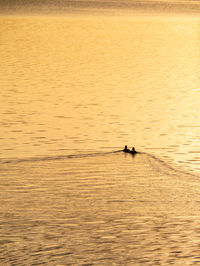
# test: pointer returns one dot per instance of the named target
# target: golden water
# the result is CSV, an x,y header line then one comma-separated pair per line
x,y
85,86
93,83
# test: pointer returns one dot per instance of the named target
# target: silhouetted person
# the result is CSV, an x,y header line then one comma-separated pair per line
x,y
126,149
133,151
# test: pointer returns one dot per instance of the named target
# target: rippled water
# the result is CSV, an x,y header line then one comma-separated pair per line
x,y
74,91
102,209
84,83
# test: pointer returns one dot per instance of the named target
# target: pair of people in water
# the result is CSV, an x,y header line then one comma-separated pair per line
x,y
133,151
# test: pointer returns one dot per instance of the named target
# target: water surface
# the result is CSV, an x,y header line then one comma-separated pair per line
x,y
91,83
74,90
102,209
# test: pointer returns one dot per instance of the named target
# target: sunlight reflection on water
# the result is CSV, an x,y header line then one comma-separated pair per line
x,y
86,83
74,89
111,208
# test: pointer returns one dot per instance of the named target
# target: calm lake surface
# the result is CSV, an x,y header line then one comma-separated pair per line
x,y
74,90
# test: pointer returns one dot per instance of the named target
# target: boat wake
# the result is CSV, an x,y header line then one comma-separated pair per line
x,y
57,157
143,160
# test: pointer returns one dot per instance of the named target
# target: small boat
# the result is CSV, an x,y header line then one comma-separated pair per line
x,y
133,151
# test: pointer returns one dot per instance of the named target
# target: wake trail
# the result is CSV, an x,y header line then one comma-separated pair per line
x,y
55,158
164,167
152,162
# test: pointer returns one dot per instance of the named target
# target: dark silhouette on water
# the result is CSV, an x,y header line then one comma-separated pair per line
x,y
126,149
133,151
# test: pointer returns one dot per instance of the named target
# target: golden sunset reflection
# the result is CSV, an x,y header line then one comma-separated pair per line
x,y
76,87
99,82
